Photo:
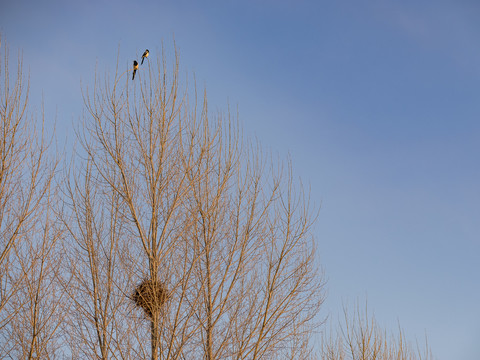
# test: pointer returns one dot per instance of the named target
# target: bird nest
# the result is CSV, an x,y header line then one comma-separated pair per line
x,y
150,296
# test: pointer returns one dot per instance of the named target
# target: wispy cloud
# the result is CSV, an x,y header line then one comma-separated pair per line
x,y
449,29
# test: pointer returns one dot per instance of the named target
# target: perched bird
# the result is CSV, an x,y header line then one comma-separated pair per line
x,y
135,68
145,55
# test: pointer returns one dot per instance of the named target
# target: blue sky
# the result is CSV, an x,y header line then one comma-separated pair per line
x,y
375,101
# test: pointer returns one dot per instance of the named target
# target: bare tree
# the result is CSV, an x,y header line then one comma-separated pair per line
x,y
212,245
29,304
360,337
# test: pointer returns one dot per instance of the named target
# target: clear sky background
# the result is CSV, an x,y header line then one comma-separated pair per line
x,y
377,102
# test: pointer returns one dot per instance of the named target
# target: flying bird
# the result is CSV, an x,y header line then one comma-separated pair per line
x,y
135,68
145,55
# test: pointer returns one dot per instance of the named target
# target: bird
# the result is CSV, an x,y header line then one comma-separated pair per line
x,y
145,55
135,68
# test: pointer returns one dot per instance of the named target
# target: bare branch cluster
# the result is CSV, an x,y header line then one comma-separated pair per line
x,y
360,337
30,298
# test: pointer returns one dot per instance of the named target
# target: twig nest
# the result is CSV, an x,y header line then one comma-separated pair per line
x,y
150,296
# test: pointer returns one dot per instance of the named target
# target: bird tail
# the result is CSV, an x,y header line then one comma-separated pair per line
x,y
143,58
133,77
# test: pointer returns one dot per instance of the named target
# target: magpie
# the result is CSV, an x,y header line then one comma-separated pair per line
x,y
135,68
145,55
